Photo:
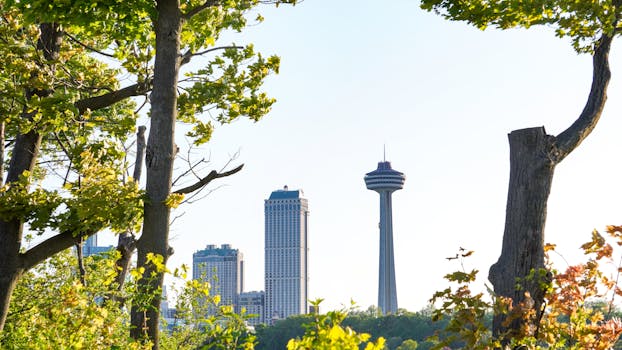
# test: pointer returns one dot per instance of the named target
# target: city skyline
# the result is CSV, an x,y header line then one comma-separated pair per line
x,y
443,104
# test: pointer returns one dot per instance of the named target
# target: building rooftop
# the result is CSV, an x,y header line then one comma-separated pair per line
x,y
384,168
285,193
212,250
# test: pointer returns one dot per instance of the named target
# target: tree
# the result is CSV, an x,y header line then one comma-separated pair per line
x,y
62,83
55,111
325,332
408,344
53,309
591,25
574,317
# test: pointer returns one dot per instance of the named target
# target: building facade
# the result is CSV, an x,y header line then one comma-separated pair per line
x,y
90,247
253,303
223,268
286,254
385,181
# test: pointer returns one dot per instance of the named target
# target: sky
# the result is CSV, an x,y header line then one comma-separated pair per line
x,y
357,76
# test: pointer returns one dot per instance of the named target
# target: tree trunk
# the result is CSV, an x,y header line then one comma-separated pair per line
x,y
127,244
533,157
23,158
159,163
531,174
80,253
10,272
2,153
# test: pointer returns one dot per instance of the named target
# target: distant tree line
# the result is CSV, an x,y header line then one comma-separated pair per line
x,y
395,329
403,331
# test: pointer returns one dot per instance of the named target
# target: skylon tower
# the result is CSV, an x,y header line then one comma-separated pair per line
x,y
385,181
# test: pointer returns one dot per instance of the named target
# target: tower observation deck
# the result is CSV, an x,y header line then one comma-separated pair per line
x,y
385,181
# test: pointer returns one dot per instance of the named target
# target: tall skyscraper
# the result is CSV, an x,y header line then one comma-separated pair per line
x,y
385,181
223,268
286,254
90,247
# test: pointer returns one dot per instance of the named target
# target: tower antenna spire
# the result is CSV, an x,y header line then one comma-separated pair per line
x,y
384,152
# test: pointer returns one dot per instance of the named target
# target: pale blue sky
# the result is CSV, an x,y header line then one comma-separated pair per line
x,y
442,96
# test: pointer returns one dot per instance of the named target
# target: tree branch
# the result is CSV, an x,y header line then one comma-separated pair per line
x,y
206,180
105,100
194,11
47,248
570,138
72,38
185,58
140,152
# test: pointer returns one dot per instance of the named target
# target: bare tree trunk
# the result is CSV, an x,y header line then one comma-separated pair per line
x,y
159,163
531,175
533,157
81,269
127,243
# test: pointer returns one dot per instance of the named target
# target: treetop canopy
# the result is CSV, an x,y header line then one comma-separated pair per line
x,y
583,21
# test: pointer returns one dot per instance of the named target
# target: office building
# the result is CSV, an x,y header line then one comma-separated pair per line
x,y
223,268
90,247
253,303
286,254
385,181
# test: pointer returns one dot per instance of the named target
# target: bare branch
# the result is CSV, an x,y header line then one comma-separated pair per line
x,y
72,38
206,180
570,138
140,152
185,58
190,170
127,241
175,218
105,100
142,105
62,146
191,199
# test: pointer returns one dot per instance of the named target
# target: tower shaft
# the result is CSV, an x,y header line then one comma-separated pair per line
x,y
385,181
387,291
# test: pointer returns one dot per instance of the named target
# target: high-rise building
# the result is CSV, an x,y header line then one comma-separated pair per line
x,y
90,247
223,268
385,181
286,254
253,303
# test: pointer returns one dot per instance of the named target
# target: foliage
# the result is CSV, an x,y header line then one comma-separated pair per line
x,y
200,322
67,109
51,309
88,142
326,333
581,21
408,344
572,317
404,325
277,335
